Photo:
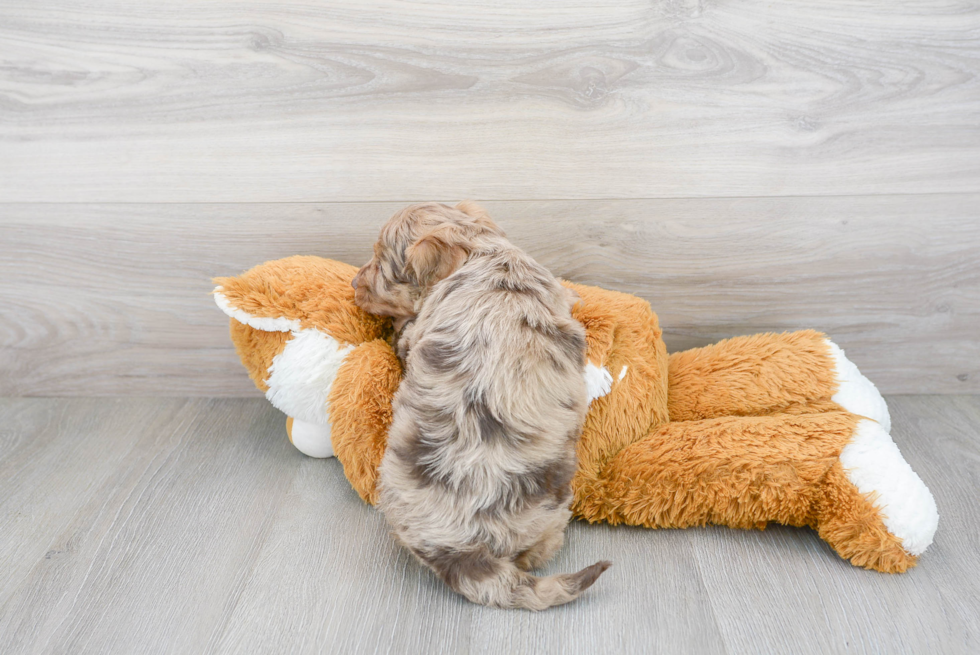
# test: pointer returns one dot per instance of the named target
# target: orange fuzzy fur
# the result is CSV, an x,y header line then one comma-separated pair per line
x,y
314,291
739,433
360,409
750,376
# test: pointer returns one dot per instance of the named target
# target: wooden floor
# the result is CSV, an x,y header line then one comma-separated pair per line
x,y
191,525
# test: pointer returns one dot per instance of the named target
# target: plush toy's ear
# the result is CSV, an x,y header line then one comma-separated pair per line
x,y
287,295
479,216
437,254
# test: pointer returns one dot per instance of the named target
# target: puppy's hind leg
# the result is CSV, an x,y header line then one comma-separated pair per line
x,y
488,580
542,550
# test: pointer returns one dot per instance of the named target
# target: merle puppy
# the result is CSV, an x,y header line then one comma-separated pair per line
x,y
476,479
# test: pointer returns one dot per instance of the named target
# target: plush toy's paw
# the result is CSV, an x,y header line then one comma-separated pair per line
x,y
310,438
873,464
856,393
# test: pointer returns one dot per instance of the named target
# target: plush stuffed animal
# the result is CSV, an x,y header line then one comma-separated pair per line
x,y
771,427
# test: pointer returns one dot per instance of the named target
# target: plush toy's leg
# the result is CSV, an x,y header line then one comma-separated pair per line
x,y
360,412
765,373
834,471
856,393
873,480
309,438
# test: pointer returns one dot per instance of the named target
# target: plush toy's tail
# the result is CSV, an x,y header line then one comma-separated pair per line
x,y
498,582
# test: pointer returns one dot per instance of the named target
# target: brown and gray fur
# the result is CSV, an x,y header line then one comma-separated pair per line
x,y
476,479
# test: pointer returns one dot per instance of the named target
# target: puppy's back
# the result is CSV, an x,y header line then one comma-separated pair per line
x,y
482,449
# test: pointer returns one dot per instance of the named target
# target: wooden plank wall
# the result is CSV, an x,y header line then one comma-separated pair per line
x,y
746,166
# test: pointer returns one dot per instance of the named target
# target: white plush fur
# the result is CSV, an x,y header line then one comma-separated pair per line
x,y
873,463
598,381
856,393
301,375
258,322
311,439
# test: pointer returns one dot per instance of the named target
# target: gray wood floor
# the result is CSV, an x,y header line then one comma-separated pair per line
x,y
190,525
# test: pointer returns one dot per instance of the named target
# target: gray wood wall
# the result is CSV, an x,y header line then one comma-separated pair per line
x,y
746,166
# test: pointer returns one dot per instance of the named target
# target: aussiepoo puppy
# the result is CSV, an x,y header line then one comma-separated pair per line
x,y
476,478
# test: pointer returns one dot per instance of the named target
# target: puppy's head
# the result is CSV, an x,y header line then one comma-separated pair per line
x,y
419,246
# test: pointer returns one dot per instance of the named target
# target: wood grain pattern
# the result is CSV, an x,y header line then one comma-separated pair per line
x,y
737,163
312,101
156,548
113,299
36,441
203,530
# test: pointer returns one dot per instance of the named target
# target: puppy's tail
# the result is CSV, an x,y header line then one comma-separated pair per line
x,y
495,581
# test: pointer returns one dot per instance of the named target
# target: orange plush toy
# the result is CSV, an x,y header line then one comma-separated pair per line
x,y
771,427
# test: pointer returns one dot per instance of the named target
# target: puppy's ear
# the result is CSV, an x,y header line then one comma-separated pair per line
x,y
437,254
479,216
